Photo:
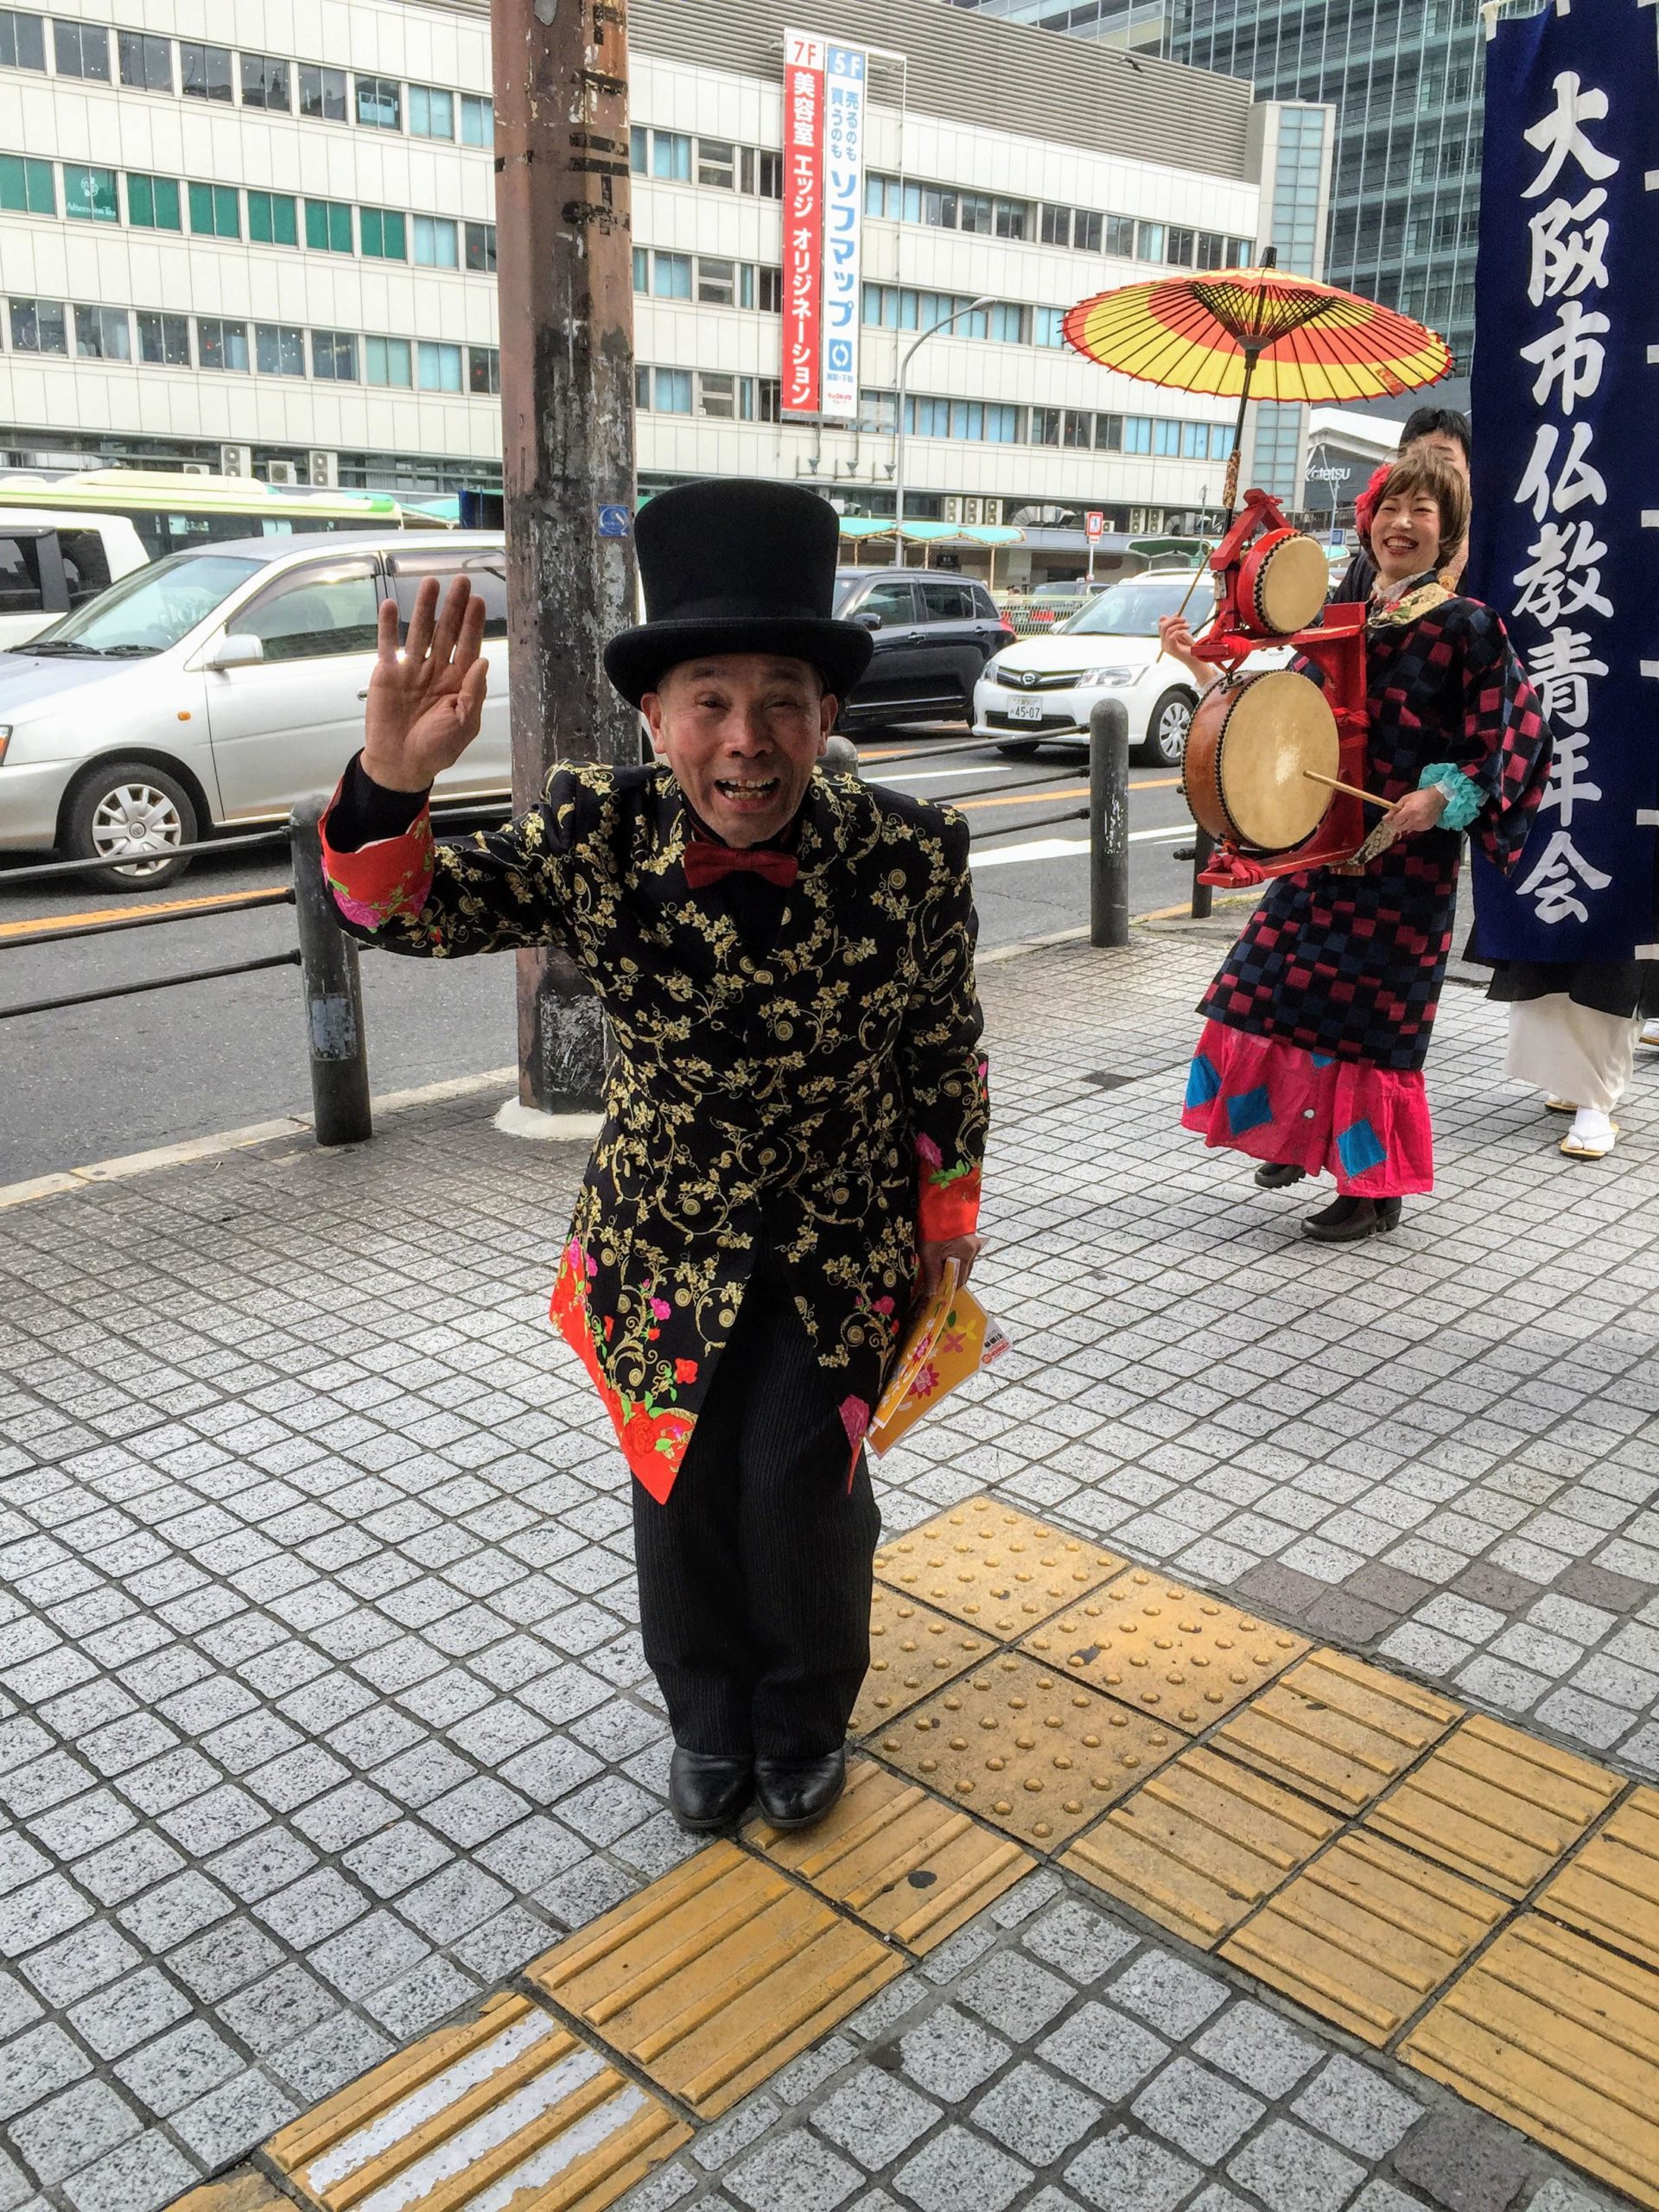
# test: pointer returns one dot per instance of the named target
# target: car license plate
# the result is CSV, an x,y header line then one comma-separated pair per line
x,y
1025,710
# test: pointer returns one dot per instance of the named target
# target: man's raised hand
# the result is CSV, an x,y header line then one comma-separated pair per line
x,y
426,702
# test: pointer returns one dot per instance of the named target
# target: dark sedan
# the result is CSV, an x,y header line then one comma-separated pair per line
x,y
933,635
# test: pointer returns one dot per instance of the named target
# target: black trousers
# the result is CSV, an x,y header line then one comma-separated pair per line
x,y
755,1577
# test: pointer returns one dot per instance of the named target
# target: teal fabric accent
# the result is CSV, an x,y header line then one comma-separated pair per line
x,y
1463,797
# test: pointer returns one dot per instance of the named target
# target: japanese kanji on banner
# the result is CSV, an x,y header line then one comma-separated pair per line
x,y
803,116
843,223
1566,462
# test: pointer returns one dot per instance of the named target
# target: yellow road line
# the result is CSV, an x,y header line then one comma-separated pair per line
x,y
89,918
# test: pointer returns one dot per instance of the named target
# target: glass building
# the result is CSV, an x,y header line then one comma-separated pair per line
x,y
1404,78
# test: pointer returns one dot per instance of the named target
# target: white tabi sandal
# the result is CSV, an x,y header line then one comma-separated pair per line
x,y
1575,1147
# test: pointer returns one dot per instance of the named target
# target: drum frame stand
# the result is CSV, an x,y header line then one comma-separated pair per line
x,y
1338,644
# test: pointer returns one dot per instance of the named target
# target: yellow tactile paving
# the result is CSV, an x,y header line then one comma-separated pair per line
x,y
1025,1749
1496,1804
244,2192
1178,1654
999,1571
716,1975
1610,1890
1335,1729
1366,1935
913,1651
914,1870
1200,1845
1561,2038
508,2110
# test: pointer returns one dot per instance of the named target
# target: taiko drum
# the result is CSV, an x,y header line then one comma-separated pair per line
x,y
1252,741
1283,583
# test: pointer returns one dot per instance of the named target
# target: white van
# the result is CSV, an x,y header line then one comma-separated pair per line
x,y
51,559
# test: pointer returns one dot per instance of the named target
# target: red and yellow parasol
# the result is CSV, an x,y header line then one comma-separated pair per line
x,y
1258,332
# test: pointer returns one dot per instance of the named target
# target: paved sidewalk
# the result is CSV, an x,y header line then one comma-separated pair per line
x,y
325,1711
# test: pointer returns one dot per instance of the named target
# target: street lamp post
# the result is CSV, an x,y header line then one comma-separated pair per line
x,y
932,330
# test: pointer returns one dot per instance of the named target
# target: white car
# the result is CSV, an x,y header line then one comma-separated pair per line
x,y
1039,691
216,689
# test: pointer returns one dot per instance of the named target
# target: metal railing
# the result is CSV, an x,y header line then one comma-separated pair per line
x,y
336,1040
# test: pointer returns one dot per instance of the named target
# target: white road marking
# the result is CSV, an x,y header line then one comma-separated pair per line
x,y
1060,848
936,775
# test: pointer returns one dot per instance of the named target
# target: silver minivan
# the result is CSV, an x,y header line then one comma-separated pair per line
x,y
216,689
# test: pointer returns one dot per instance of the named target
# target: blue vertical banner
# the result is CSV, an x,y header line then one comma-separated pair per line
x,y
1565,538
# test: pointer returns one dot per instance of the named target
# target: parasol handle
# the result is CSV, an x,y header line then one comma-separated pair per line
x,y
1351,791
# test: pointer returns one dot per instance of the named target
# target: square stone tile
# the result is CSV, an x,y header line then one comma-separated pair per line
x,y
1200,2113
1035,2115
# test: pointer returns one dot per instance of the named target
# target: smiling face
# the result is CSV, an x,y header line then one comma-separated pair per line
x,y
1406,535
742,732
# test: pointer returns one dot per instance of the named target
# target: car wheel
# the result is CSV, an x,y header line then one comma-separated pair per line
x,y
1165,742
137,816
1024,749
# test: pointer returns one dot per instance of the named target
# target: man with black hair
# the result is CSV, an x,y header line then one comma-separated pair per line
x,y
1436,430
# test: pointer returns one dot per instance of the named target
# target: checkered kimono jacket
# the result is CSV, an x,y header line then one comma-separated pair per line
x,y
828,1081
1351,966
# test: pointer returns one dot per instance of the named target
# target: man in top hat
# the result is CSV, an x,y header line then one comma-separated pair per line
x,y
795,1112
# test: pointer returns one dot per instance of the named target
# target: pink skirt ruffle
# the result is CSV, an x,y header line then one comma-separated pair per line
x,y
1367,1127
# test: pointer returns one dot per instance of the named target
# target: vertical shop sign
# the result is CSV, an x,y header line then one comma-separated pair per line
x,y
803,167
843,204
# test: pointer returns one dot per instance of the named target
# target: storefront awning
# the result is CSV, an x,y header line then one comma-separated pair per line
x,y
933,533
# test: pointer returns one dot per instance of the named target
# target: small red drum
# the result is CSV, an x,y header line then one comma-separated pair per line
x,y
1250,740
1283,583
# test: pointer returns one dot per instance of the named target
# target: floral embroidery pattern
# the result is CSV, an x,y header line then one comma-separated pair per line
x,y
823,1082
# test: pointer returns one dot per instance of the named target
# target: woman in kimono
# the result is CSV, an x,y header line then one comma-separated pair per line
x,y
1316,1028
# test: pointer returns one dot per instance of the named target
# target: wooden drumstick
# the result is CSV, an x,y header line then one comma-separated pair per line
x,y
1202,570
1351,790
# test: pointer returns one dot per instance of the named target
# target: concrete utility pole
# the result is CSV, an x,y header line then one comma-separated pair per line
x,y
565,283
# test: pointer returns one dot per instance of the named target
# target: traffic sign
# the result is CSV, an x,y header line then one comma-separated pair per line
x,y
1094,523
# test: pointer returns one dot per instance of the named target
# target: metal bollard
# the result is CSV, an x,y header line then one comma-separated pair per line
x,y
1202,853
336,1043
842,758
1109,822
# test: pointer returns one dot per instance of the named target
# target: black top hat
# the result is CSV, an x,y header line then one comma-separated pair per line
x,y
733,567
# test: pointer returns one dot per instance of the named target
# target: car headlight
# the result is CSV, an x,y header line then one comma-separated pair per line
x,y
5,739
1103,679
992,671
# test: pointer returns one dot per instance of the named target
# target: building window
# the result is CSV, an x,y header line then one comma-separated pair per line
x,y
1076,427
769,185
379,103
146,62
23,41
1148,241
480,248
673,391
1013,218
638,149
279,349
89,195
382,234
439,367
484,369
671,157
164,340
717,397
673,275
768,399
322,93
1008,323
1048,326
386,361
328,226
1086,229
152,203
1120,236
1181,246
641,389
1137,433
431,112
26,187
716,284
769,291
938,207
877,410
477,120
103,335
273,219
1044,426
436,246
1166,439
334,356
642,269
265,82
1109,434
221,345
717,163
81,50
213,210
977,215
38,327
205,71
1055,226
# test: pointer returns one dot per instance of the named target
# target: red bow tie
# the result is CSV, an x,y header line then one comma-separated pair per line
x,y
706,863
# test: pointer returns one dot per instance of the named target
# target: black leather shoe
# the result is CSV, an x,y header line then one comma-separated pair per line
x,y
1347,1221
1278,1175
794,1793
708,1790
